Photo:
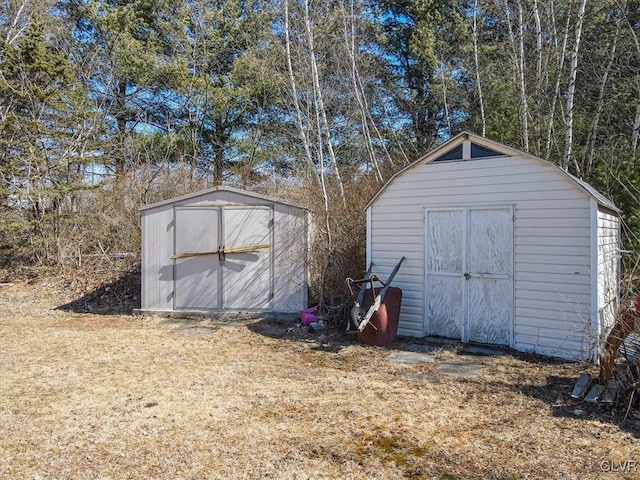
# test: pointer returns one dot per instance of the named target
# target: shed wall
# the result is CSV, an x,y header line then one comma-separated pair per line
x,y
290,259
157,267
552,243
608,269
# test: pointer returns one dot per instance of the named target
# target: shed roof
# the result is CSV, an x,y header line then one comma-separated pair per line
x,y
221,188
457,141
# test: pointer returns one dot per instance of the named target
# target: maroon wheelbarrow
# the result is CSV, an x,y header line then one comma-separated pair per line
x,y
378,311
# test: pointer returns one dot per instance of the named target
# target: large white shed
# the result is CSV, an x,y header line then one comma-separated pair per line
x,y
501,247
224,251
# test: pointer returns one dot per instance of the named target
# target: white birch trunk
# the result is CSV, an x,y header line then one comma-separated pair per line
x,y
446,104
320,102
560,68
538,93
523,87
362,90
518,60
636,126
357,91
296,103
573,72
477,69
13,32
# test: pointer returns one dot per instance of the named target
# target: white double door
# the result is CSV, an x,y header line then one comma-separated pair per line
x,y
229,281
469,273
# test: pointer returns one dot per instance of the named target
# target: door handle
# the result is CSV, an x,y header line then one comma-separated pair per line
x,y
467,276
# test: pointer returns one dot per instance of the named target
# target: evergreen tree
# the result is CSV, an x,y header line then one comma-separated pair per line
x,y
45,136
122,52
419,38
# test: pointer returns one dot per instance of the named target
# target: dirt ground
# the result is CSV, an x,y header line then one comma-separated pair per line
x,y
103,396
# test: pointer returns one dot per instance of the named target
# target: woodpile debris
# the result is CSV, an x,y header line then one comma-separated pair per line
x,y
618,382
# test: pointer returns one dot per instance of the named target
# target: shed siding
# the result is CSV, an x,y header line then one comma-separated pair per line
x,y
608,269
552,243
157,266
290,247
289,250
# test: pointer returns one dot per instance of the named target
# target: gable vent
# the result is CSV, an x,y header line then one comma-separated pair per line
x,y
467,150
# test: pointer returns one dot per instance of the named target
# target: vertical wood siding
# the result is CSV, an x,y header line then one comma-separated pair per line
x,y
552,302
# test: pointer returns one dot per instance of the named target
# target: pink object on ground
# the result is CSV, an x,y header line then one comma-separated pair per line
x,y
307,316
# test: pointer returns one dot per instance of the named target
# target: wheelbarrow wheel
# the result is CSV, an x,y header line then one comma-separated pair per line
x,y
357,315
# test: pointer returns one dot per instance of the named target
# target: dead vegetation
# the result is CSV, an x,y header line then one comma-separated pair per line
x,y
114,397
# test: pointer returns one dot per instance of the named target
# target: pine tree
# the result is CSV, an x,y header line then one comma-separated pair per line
x,y
45,135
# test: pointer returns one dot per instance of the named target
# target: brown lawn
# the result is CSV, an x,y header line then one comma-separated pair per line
x,y
86,396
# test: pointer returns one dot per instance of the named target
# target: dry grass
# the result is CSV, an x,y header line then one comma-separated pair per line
x,y
88,396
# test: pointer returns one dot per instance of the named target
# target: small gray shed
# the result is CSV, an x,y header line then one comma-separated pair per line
x,y
224,251
501,247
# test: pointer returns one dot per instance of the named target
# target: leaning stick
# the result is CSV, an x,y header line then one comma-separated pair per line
x,y
248,248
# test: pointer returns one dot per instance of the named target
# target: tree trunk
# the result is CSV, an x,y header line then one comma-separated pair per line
x,y
593,134
635,133
446,104
15,30
560,68
518,60
636,125
538,92
358,93
573,72
523,88
218,166
477,69
320,103
296,104
121,123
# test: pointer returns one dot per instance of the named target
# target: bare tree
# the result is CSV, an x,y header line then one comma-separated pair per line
x,y
446,103
474,24
635,134
319,100
559,71
17,16
593,133
358,91
517,47
294,96
538,91
571,91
